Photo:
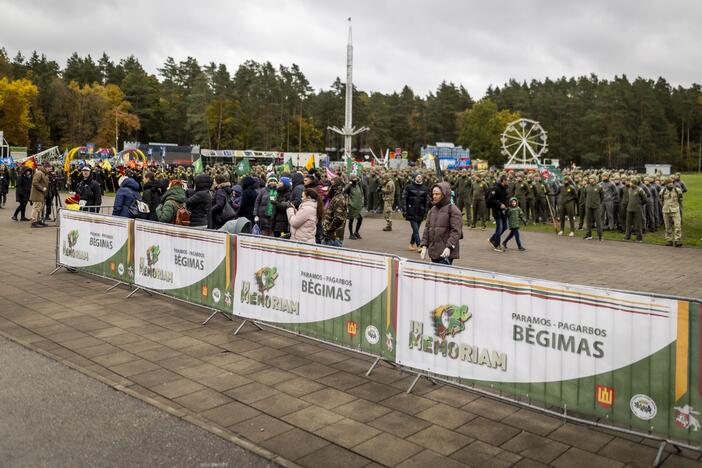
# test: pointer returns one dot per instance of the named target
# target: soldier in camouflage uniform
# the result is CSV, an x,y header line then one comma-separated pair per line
x,y
478,190
463,186
567,201
334,219
671,199
388,200
531,200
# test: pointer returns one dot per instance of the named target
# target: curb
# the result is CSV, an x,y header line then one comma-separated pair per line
x,y
184,415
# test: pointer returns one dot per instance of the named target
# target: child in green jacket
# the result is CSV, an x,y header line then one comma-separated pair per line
x,y
515,217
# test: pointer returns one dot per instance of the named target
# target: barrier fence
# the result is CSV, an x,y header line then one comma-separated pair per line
x,y
621,359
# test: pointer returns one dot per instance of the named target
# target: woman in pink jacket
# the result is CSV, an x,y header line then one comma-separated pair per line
x,y
303,221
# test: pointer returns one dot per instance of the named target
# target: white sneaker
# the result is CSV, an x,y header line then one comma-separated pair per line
x,y
572,234
560,233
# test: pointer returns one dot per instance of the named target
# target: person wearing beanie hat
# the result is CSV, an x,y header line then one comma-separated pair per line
x,y
127,192
286,182
72,202
89,190
279,217
263,209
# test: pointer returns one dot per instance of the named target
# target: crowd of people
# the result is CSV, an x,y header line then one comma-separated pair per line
x,y
319,206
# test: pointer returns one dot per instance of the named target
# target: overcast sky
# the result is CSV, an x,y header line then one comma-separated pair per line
x,y
419,43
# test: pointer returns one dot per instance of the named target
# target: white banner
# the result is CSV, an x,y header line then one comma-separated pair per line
x,y
498,328
89,239
172,257
290,282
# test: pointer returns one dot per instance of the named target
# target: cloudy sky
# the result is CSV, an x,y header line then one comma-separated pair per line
x,y
415,42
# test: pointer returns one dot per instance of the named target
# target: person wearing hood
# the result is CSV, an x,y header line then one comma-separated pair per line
x,y
152,193
248,198
356,200
444,227
199,202
23,188
298,186
415,198
127,192
303,221
236,199
171,202
222,209
515,217
263,208
279,219
334,219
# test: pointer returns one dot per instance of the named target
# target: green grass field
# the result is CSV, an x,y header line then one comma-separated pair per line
x,y
692,218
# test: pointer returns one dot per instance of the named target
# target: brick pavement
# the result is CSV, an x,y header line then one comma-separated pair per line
x,y
308,402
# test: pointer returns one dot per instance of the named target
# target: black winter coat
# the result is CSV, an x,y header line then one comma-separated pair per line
x,y
24,187
279,220
90,192
153,191
496,196
248,198
199,202
223,196
415,201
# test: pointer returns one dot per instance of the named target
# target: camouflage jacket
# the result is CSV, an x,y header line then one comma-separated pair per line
x,y
335,218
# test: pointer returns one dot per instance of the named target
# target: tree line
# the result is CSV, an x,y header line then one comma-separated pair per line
x,y
591,121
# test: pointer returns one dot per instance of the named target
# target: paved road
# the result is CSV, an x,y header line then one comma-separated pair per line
x,y
51,415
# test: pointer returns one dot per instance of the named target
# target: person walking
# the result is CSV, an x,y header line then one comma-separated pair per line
x,y
515,217
388,199
671,199
355,201
415,199
303,220
23,189
4,185
496,201
444,227
37,196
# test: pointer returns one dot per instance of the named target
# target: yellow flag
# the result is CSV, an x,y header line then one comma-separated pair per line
x,y
310,163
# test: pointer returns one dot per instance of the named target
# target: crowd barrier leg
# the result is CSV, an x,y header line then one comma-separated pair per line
x,y
244,323
137,289
659,454
215,312
113,286
416,379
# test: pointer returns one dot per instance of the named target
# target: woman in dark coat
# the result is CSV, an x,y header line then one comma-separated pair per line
x,y
199,202
153,191
444,227
248,198
126,194
279,220
24,187
415,198
223,197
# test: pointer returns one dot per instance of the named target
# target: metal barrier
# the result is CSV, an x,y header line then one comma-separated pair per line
x,y
623,360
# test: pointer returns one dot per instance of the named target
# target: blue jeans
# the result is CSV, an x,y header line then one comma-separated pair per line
x,y
333,243
500,227
513,233
442,261
415,239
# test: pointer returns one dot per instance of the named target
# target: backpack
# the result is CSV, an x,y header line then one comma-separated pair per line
x,y
182,216
138,209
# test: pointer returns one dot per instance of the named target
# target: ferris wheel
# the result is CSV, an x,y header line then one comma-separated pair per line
x,y
524,141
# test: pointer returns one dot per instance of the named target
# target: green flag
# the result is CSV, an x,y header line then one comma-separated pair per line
x,y
287,166
197,166
243,167
352,167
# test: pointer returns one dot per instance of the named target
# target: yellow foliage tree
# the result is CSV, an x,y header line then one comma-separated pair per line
x,y
17,98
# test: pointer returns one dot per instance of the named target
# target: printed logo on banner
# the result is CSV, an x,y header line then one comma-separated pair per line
x,y
216,295
147,265
69,245
643,407
372,334
604,396
227,298
450,319
265,278
120,269
684,418
389,341
112,267
351,328
204,290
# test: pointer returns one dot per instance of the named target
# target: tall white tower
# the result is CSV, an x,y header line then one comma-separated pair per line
x,y
348,131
